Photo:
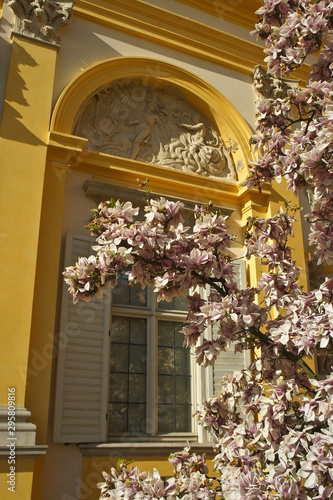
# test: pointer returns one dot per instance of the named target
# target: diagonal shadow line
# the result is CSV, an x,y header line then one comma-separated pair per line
x,y
15,130
16,94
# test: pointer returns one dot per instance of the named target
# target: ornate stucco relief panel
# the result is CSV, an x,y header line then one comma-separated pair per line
x,y
41,19
154,125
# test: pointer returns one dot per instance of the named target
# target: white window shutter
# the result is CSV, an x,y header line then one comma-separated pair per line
x,y
83,360
229,361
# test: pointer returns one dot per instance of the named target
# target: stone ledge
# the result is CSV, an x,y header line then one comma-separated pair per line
x,y
24,451
162,449
34,39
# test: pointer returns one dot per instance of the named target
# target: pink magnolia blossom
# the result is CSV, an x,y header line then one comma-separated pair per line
x,y
272,423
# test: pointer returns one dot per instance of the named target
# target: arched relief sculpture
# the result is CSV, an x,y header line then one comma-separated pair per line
x,y
154,125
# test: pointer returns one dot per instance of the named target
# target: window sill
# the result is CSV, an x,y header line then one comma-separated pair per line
x,y
162,449
173,437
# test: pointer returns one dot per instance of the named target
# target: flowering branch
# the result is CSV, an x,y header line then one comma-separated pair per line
x,y
272,423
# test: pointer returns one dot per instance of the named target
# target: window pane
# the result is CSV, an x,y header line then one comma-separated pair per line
x,y
119,329
138,359
179,337
137,418
138,328
183,390
166,333
165,360
128,375
138,297
166,419
169,333
166,389
176,304
174,380
183,418
120,293
118,388
174,418
182,361
124,295
117,418
137,389
119,358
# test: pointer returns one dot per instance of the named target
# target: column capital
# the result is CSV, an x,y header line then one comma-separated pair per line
x,y
41,19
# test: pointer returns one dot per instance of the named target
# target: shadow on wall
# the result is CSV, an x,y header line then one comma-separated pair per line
x,y
5,46
15,130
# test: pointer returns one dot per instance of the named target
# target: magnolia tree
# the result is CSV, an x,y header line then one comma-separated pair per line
x,y
272,423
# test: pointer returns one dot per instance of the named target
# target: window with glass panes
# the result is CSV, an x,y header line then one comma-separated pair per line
x,y
150,370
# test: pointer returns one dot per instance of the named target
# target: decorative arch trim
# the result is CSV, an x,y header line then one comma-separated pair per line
x,y
208,100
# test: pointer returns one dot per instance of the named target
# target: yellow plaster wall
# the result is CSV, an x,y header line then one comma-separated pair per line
x,y
32,198
41,352
25,238
279,195
166,28
22,155
23,479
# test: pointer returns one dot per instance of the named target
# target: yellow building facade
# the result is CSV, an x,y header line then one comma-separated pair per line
x,y
94,97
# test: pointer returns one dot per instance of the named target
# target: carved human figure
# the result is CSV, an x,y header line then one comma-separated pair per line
x,y
144,127
200,155
196,145
154,125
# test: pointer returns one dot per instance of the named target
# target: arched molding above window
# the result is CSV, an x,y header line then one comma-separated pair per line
x,y
202,96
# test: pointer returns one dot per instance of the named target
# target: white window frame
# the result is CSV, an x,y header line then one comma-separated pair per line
x,y
153,314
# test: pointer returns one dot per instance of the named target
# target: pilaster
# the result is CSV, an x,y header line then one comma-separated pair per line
x,y
254,204
31,196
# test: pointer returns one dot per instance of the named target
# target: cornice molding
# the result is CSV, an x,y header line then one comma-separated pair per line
x,y
161,26
124,172
24,451
236,12
67,141
101,191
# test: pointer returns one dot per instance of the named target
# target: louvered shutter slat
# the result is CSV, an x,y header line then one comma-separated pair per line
x,y
229,361
83,361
